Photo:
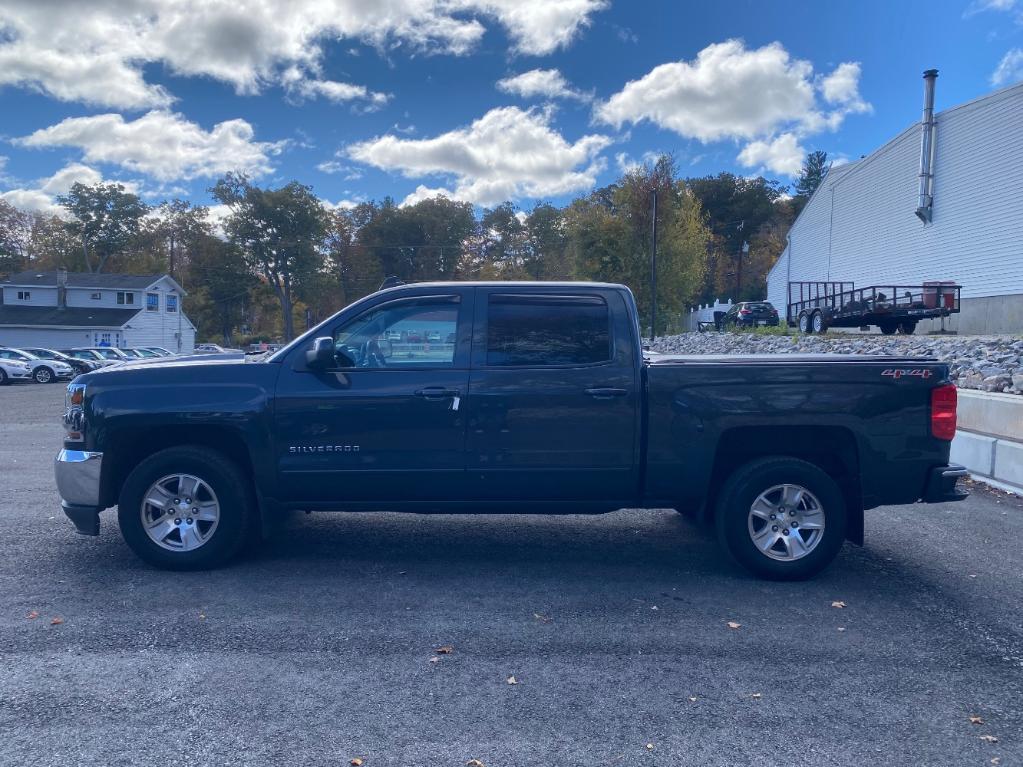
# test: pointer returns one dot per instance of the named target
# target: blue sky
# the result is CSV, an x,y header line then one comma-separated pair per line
x,y
482,100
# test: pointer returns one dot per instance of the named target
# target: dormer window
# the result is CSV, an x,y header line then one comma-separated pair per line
x,y
172,303
24,295
152,302
123,298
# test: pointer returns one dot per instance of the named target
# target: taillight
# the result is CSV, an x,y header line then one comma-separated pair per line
x,y
943,412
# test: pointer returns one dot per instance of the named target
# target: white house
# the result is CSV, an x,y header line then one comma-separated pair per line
x,y
861,225
62,310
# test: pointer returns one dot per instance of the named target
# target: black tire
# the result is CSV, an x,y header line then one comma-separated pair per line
x,y
3,377
804,322
743,488
818,323
907,327
888,328
43,375
238,509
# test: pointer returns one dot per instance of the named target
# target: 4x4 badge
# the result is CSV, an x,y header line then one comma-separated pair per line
x,y
898,373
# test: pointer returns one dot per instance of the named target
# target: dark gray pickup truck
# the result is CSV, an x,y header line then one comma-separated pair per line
x,y
504,397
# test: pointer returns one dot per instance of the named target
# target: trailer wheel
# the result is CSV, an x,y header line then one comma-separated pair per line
x,y
817,322
804,322
888,328
907,327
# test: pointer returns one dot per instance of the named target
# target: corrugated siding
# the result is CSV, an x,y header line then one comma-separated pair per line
x,y
48,339
872,236
40,296
159,329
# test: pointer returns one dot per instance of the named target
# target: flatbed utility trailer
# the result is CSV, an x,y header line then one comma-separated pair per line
x,y
814,307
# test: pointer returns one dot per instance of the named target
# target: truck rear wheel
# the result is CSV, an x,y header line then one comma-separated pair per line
x,y
907,327
804,322
817,323
781,518
888,328
186,508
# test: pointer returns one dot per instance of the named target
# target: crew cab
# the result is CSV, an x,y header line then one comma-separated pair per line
x,y
538,398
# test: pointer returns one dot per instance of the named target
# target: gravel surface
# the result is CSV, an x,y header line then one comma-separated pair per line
x,y
321,649
989,363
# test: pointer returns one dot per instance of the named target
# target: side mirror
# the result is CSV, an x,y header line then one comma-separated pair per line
x,y
386,350
321,355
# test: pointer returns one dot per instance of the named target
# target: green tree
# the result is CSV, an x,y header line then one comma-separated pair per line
x,y
609,236
815,168
106,219
53,246
737,209
546,248
280,232
221,287
15,238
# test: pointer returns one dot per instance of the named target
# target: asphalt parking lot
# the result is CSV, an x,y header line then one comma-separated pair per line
x,y
323,647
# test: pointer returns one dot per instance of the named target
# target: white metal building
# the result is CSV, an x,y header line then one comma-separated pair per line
x,y
861,223
62,310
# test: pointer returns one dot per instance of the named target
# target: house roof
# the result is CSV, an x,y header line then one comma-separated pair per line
x,y
30,279
71,317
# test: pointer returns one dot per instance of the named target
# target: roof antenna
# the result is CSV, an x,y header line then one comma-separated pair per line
x,y
391,282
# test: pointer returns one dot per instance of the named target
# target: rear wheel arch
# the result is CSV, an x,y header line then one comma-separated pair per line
x,y
833,449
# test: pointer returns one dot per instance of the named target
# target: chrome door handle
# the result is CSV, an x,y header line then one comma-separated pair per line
x,y
606,393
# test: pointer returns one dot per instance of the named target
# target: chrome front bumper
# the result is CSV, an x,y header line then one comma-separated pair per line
x,y
78,477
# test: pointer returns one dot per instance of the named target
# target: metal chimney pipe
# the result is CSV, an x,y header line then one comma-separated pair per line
x,y
925,210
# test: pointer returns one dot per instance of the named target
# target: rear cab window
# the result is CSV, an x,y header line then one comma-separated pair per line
x,y
546,330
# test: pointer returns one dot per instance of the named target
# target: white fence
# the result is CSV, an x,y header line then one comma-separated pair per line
x,y
705,313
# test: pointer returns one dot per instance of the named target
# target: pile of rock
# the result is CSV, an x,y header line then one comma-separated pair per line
x,y
988,363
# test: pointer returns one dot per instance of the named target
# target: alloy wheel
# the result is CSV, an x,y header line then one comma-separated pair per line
x,y
180,512
786,522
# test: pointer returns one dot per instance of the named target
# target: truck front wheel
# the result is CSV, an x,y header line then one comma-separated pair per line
x,y
781,518
186,508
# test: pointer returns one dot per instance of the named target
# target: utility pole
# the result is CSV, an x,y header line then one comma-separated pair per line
x,y
653,269
743,249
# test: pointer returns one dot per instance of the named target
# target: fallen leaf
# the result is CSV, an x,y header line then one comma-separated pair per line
x,y
974,719
56,621
654,607
995,760
474,763
445,650
839,605
841,628
202,616
649,746
733,625
33,615
692,699
989,738
434,659
512,680
757,696
541,618
356,762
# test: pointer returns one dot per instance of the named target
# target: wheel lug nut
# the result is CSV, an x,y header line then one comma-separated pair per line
x,y
177,520
795,524
195,511
177,500
774,528
773,517
792,513
188,500
785,531
189,520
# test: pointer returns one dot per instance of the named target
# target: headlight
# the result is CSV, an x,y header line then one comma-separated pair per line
x,y
74,412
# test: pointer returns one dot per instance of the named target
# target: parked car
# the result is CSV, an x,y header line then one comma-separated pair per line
x,y
200,454
89,355
12,370
158,350
78,365
216,349
750,314
43,371
141,353
109,353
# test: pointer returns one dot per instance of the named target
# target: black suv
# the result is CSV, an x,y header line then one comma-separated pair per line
x,y
749,314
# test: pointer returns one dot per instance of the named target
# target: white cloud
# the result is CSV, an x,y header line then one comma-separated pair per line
x,y
347,172
544,83
782,155
979,6
508,153
161,144
95,51
761,96
300,87
1010,68
39,198
346,204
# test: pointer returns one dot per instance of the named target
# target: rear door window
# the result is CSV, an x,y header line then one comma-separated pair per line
x,y
547,330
